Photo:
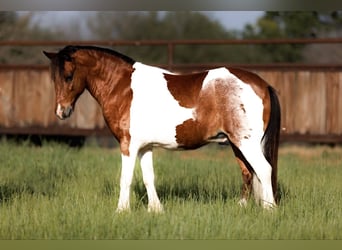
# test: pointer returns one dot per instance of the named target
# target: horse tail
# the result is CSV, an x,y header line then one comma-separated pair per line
x,y
270,139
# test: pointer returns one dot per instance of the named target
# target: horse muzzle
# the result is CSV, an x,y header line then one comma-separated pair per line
x,y
63,112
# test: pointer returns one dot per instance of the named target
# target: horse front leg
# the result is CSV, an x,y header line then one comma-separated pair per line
x,y
127,169
146,162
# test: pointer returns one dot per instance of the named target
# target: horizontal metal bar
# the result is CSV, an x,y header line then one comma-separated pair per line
x,y
264,66
199,66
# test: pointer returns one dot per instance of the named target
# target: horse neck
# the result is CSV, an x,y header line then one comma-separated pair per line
x,y
107,80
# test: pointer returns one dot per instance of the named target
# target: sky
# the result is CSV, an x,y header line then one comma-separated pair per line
x,y
229,19
235,19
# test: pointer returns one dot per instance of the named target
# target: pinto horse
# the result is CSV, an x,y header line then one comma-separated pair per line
x,y
146,107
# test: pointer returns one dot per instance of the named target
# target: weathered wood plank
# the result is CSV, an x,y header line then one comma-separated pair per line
x,y
6,99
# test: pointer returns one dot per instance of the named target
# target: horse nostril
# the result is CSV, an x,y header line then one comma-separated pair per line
x,y
67,111
62,112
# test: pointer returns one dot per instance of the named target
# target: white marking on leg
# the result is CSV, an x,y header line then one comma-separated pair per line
x,y
146,162
257,188
242,202
262,183
127,169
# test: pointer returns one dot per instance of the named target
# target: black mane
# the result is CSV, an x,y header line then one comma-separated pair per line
x,y
70,49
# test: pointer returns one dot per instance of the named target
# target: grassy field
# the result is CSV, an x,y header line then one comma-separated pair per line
x,y
57,192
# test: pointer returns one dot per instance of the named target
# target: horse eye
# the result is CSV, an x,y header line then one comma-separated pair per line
x,y
68,78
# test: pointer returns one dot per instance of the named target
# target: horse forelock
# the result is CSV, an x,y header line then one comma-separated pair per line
x,y
58,62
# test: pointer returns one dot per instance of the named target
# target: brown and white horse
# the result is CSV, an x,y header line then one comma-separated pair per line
x,y
146,107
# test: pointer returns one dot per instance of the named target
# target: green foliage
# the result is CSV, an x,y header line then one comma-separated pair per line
x,y
174,26
278,25
56,192
165,26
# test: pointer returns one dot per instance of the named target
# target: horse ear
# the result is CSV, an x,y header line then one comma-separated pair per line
x,y
49,55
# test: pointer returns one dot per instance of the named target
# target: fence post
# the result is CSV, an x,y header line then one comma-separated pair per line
x,y
170,48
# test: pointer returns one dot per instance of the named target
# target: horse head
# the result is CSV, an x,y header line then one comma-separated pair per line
x,y
68,79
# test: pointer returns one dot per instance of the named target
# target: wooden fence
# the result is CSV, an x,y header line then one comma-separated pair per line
x,y
309,94
310,102
27,106
309,98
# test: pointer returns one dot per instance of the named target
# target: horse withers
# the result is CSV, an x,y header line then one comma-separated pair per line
x,y
146,107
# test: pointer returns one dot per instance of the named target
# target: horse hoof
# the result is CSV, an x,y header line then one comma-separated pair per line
x,y
242,202
155,209
269,206
122,210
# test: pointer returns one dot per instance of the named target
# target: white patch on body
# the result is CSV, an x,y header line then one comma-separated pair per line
x,y
254,109
213,74
154,112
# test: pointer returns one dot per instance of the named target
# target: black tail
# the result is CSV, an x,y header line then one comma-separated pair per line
x,y
270,140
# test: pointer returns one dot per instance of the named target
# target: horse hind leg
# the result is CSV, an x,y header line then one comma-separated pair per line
x,y
247,183
262,181
247,176
256,173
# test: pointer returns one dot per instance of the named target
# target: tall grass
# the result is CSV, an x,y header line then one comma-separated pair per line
x,y
57,192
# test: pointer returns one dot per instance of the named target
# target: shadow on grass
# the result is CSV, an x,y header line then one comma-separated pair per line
x,y
199,193
10,191
188,192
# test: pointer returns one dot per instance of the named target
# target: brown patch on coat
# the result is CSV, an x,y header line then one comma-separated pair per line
x,y
260,88
185,88
218,109
194,133
232,110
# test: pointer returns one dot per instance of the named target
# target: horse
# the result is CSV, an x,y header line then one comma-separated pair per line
x,y
145,107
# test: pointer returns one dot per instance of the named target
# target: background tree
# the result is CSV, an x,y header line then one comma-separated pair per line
x,y
165,26
180,25
19,27
291,25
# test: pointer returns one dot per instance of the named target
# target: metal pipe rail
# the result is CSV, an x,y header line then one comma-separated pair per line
x,y
170,44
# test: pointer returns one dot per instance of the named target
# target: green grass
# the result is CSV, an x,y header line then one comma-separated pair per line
x,y
57,192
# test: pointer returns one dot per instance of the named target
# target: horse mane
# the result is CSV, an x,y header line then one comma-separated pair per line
x,y
66,53
70,49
